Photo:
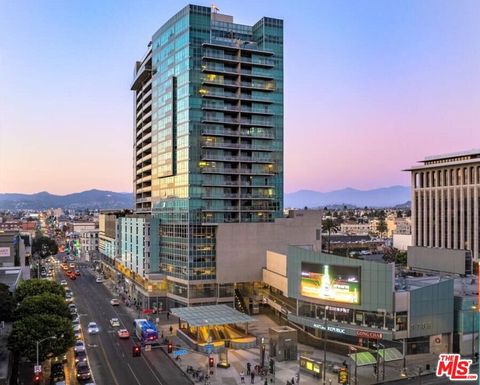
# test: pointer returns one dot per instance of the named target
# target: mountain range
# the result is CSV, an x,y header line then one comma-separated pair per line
x,y
98,199
380,197
91,199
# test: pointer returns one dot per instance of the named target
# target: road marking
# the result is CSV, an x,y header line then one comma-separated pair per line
x,y
129,367
151,369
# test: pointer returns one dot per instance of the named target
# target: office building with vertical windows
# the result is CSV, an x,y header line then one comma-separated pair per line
x,y
445,202
208,142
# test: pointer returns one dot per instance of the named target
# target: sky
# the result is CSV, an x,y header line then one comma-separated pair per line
x,y
371,87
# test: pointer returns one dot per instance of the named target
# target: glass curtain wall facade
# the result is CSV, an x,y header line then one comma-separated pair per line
x,y
216,138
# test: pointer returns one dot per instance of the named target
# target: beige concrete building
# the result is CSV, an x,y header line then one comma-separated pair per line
x,y
445,201
355,228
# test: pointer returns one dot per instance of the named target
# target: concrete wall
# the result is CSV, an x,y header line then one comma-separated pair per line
x,y
431,309
402,241
241,247
437,259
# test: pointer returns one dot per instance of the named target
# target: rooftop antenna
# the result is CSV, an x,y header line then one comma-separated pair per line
x,y
215,9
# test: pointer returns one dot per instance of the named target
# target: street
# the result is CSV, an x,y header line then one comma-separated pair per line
x,y
110,358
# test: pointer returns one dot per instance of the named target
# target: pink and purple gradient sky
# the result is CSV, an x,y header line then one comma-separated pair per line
x,y
370,88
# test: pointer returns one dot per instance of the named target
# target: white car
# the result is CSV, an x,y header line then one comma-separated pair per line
x,y
93,328
114,322
99,280
79,346
123,333
114,302
63,282
77,327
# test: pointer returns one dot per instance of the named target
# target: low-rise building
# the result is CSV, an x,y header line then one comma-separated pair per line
x,y
89,244
353,228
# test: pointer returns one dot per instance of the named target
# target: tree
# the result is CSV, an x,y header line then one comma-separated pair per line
x,y
45,303
394,255
37,287
330,227
382,227
27,331
44,246
7,303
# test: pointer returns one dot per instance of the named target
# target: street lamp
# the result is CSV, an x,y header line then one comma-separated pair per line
x,y
377,346
39,342
474,309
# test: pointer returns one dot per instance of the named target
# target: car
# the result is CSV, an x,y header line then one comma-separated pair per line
x,y
72,266
63,282
76,320
73,311
59,383
78,335
77,327
123,333
72,277
83,371
69,299
60,358
77,273
114,322
72,306
56,371
114,302
81,356
99,280
79,346
93,328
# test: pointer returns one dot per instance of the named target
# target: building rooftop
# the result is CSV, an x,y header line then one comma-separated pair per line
x,y
210,315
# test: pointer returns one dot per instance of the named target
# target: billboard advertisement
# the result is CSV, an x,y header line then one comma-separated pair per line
x,y
330,282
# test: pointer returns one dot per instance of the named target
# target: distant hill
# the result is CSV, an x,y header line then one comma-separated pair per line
x,y
381,197
91,199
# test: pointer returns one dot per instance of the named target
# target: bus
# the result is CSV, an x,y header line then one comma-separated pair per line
x,y
146,331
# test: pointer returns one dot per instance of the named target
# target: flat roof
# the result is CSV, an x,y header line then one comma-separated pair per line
x,y
210,315
452,155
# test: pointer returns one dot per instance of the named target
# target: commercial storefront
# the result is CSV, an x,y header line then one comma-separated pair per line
x,y
362,302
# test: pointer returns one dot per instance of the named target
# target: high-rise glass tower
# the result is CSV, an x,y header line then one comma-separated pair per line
x,y
208,139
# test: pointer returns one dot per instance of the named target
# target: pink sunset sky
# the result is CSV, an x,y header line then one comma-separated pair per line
x,y
371,87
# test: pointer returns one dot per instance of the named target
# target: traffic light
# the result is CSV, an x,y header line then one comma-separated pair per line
x,y
136,351
210,362
170,347
37,379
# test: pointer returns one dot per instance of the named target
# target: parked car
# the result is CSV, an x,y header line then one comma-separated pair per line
x,y
114,302
79,346
99,280
56,371
83,371
63,282
81,356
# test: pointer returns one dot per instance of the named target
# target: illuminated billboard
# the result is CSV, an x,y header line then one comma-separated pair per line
x,y
330,282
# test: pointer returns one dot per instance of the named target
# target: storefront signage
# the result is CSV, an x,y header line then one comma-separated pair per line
x,y
367,334
4,251
332,329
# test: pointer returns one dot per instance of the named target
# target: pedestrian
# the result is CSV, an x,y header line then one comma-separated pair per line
x,y
293,381
248,368
266,382
329,381
162,334
171,329
168,315
242,377
252,376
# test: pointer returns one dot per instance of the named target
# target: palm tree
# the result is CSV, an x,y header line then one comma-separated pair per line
x,y
382,227
330,227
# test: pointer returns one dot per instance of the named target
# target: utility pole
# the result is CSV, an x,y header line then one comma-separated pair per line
x,y
325,350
